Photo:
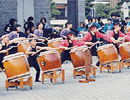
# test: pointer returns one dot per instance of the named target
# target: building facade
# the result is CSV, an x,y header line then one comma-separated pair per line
x,y
61,5
76,12
22,9
113,3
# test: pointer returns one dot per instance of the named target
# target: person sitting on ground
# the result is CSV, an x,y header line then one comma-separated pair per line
x,y
82,30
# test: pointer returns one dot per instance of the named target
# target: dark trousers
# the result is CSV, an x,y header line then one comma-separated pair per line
x,y
36,66
94,53
1,65
65,55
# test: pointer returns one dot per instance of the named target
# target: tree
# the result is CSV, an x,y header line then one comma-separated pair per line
x,y
54,12
88,6
119,3
116,11
103,10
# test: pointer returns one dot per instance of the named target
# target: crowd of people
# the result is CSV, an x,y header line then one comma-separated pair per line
x,y
91,33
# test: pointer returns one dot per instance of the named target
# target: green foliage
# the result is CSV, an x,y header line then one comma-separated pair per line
x,y
119,3
129,13
103,10
88,6
53,10
108,4
116,11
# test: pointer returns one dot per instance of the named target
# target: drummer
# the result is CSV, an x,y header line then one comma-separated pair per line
x,y
92,37
39,33
14,34
4,47
32,58
115,34
67,44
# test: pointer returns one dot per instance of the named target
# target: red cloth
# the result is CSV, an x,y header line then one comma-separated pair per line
x,y
88,36
111,34
65,43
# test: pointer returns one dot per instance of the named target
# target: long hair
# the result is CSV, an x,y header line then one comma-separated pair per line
x,y
42,19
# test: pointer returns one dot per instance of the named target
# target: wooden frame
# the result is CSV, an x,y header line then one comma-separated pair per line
x,y
52,74
81,71
123,63
111,67
20,83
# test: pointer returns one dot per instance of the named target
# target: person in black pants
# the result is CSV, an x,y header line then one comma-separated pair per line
x,y
32,58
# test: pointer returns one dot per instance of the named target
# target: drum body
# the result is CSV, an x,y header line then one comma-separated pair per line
x,y
49,60
124,50
107,53
79,56
54,43
16,65
23,46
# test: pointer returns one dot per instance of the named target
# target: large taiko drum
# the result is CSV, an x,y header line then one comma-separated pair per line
x,y
54,43
124,50
49,60
23,46
16,66
79,55
107,53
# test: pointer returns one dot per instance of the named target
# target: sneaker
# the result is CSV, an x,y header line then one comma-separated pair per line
x,y
96,67
37,81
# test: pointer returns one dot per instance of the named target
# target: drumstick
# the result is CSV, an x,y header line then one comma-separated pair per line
x,y
94,44
9,49
38,51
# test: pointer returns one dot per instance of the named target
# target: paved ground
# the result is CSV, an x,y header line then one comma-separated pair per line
x,y
107,86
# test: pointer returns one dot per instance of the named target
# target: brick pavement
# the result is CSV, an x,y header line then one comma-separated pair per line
x,y
107,86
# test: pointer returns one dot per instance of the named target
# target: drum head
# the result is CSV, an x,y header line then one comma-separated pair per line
x,y
12,56
48,52
55,40
124,44
78,48
104,46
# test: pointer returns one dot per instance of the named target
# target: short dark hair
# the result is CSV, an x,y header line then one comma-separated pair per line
x,y
12,20
26,29
127,18
117,23
93,18
83,24
118,15
112,14
30,18
109,19
38,24
15,27
99,18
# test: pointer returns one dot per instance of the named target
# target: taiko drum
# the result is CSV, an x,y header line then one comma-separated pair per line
x,y
124,50
23,46
54,43
49,60
107,53
78,56
16,65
